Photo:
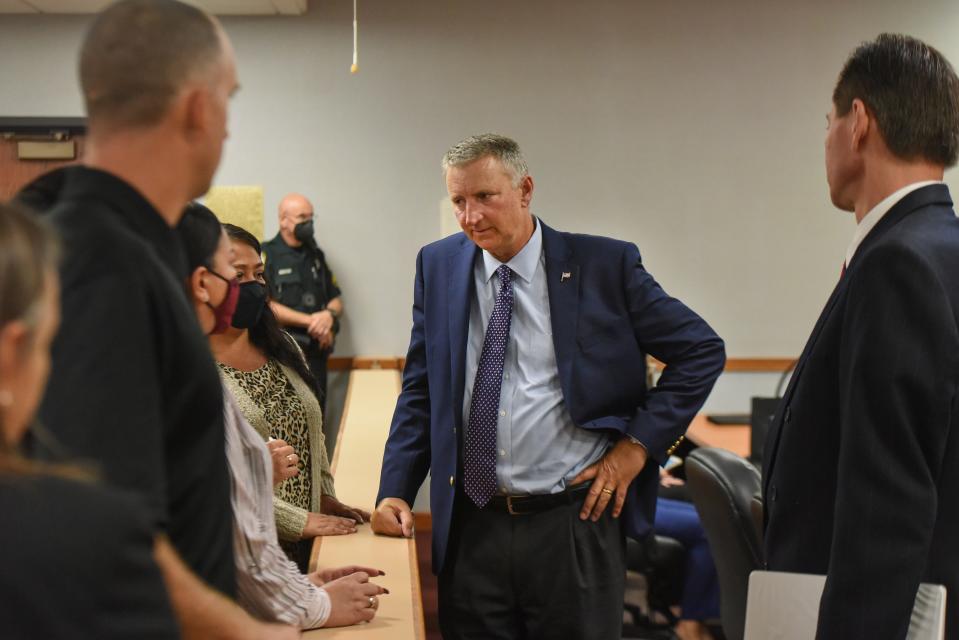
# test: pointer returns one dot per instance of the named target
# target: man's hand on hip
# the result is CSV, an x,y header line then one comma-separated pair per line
x,y
393,517
611,476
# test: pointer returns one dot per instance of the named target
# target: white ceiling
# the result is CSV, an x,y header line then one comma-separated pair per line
x,y
218,7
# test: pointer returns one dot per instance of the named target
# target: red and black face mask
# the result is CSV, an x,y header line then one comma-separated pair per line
x,y
223,312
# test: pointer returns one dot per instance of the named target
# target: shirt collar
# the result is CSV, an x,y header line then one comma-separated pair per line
x,y
83,183
523,263
871,219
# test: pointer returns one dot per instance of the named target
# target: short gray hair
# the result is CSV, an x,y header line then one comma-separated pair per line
x,y
504,149
138,54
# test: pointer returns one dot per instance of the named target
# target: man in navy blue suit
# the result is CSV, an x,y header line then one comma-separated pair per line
x,y
861,478
525,396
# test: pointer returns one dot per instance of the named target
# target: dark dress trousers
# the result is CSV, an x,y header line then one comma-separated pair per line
x,y
862,460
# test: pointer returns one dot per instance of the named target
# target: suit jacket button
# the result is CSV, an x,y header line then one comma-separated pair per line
x,y
789,414
772,494
451,481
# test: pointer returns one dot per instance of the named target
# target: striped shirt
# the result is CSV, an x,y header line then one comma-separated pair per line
x,y
269,585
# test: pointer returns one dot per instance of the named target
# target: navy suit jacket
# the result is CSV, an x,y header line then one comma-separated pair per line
x,y
607,313
861,473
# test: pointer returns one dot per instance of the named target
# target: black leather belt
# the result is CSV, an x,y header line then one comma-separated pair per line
x,y
525,505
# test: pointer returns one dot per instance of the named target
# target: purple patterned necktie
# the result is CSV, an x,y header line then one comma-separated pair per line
x,y
480,462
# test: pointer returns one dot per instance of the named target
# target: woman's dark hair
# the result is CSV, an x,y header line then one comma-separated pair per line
x,y
199,232
266,334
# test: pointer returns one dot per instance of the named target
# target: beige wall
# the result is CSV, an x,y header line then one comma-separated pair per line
x,y
692,128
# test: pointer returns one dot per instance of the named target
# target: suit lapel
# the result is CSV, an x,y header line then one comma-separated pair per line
x,y
773,437
937,194
460,300
563,285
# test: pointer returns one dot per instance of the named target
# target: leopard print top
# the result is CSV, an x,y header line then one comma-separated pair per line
x,y
270,389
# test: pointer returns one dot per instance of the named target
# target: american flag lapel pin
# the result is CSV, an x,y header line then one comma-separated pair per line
x,y
566,276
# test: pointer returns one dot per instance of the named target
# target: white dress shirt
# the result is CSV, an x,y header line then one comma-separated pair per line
x,y
268,584
538,447
871,219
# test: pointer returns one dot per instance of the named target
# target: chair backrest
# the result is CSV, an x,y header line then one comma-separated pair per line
x,y
756,507
723,485
785,606
655,553
663,562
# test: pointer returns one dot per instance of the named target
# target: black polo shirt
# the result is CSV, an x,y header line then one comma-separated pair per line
x,y
133,386
78,562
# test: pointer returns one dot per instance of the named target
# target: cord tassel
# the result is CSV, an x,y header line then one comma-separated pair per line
x,y
355,67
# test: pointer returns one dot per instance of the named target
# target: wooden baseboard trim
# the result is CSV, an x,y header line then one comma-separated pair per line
x,y
733,365
746,365
365,362
423,522
760,365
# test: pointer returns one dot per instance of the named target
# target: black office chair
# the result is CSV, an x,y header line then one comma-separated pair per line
x,y
723,486
661,561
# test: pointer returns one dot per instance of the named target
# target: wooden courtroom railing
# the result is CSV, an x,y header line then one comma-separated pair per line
x,y
370,400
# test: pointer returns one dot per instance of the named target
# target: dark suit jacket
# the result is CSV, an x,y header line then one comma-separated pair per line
x,y
607,314
862,462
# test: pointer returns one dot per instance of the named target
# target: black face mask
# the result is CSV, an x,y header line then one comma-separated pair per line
x,y
251,305
304,231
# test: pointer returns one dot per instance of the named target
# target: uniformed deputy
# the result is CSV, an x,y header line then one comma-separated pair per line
x,y
306,298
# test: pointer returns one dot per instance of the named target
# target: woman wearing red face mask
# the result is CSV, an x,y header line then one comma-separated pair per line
x,y
264,369
214,294
269,585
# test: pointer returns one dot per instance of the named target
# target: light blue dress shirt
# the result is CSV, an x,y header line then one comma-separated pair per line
x,y
539,449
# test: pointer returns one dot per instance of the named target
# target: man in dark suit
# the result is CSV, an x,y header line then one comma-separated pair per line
x,y
524,381
861,476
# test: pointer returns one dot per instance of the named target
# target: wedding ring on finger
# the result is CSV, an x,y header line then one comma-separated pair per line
x,y
374,603
608,491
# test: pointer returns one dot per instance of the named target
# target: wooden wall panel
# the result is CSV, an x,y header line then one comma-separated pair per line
x,y
15,173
